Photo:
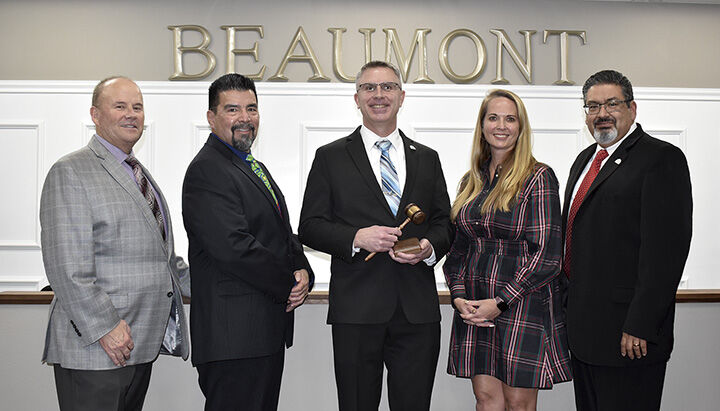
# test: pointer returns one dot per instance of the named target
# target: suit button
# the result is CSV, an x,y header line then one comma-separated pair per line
x,y
170,294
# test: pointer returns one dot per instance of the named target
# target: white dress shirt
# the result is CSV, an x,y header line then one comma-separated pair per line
x,y
397,156
396,151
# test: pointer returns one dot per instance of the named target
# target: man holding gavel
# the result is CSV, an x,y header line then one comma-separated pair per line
x,y
384,311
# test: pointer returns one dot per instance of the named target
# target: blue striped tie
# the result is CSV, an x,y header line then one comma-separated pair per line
x,y
389,176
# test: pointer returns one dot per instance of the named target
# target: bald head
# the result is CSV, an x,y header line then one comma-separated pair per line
x,y
118,112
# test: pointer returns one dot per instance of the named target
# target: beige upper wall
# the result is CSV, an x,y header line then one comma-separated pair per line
x,y
654,44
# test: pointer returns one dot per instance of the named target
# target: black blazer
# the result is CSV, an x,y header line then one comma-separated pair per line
x,y
630,241
243,255
342,196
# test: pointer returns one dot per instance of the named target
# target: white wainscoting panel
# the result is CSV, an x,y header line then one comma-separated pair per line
x,y
21,171
297,118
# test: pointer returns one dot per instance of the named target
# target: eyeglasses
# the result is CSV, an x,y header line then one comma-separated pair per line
x,y
611,106
386,87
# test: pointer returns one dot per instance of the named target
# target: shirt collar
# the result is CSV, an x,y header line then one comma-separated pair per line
x,y
610,150
241,154
369,138
116,152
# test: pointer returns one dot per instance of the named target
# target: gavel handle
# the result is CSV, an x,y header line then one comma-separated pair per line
x,y
400,227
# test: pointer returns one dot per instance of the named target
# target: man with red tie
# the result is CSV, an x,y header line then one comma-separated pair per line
x,y
628,223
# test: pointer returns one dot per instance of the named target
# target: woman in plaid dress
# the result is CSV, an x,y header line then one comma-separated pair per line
x,y
503,269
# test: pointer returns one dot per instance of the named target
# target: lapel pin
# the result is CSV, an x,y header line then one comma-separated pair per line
x,y
618,161
412,147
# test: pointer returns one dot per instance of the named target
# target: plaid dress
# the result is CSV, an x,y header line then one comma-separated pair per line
x,y
514,255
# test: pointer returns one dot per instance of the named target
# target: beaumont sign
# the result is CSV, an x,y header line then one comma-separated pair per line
x,y
393,47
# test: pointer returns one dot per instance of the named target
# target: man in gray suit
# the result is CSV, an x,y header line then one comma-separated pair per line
x,y
107,246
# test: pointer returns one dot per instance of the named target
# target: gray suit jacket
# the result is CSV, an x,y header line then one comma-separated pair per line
x,y
106,261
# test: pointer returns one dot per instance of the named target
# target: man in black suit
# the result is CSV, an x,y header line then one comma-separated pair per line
x,y
627,239
248,270
385,310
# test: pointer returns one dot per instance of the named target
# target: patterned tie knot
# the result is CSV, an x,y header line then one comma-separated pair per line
x,y
601,155
383,145
132,161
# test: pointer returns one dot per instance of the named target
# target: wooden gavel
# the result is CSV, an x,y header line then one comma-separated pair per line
x,y
414,214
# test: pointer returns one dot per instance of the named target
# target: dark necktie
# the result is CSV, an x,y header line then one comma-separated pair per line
x,y
389,176
579,197
147,192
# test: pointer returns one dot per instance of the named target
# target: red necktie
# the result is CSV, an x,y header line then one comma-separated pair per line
x,y
579,196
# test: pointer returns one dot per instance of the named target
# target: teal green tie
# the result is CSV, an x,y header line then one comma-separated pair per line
x,y
255,166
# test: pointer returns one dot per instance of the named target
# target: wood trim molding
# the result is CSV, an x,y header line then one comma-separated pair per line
x,y
321,297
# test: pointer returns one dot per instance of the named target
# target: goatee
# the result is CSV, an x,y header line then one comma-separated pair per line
x,y
605,137
244,143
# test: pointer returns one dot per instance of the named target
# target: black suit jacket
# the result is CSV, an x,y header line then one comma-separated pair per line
x,y
242,255
630,241
342,196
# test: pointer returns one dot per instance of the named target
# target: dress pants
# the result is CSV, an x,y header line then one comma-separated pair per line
x,y
247,384
409,351
600,388
119,389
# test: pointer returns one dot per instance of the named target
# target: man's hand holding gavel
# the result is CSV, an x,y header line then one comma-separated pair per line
x,y
378,238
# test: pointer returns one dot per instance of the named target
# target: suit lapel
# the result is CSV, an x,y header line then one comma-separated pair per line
x,y
615,161
575,172
117,172
245,168
411,171
282,211
163,205
356,149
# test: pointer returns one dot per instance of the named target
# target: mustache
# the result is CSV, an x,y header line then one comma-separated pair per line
x,y
242,125
602,119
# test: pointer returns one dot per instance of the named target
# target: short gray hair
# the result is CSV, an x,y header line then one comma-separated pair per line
x,y
609,77
378,64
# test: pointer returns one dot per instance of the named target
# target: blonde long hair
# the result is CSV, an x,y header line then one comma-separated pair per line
x,y
516,168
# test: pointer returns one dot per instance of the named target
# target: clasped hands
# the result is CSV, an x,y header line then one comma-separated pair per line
x,y
479,313
381,239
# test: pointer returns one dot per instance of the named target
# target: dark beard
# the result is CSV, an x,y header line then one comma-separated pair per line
x,y
244,143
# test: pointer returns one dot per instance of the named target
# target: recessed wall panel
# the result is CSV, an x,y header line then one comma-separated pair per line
x,y
20,184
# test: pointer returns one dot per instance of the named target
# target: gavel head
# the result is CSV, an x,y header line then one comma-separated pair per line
x,y
414,213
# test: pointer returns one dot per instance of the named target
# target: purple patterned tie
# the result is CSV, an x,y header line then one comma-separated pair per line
x,y
147,192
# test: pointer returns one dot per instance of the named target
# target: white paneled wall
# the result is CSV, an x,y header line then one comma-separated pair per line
x,y
42,120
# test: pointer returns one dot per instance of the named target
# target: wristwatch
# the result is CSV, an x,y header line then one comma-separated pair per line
x,y
501,304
